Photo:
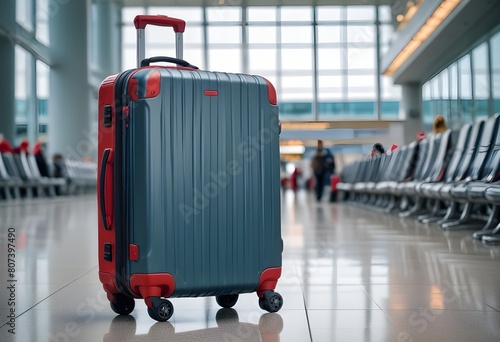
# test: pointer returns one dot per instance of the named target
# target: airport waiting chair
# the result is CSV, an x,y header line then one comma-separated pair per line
x,y
49,182
440,191
10,185
459,190
450,170
492,194
15,173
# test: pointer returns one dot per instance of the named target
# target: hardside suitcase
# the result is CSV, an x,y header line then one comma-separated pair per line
x,y
188,186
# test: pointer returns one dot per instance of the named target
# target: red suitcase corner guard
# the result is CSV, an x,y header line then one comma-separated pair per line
x,y
268,280
152,285
108,284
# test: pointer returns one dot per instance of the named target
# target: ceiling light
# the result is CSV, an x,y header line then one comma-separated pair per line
x,y
297,149
432,23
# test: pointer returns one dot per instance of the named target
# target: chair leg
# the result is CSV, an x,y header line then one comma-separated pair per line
x,y
434,211
450,214
494,237
464,221
415,209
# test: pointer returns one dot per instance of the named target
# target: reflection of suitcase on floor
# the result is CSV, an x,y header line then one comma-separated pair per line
x,y
189,188
227,327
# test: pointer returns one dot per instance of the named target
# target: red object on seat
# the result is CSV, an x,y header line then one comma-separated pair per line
x,y
37,148
5,146
334,180
23,147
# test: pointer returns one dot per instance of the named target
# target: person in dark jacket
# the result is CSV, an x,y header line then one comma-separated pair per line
x,y
41,162
377,150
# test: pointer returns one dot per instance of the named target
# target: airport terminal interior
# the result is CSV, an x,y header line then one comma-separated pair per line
x,y
389,170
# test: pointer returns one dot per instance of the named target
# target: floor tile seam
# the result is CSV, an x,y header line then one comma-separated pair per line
x,y
46,201
429,308
53,293
342,309
492,307
385,313
307,314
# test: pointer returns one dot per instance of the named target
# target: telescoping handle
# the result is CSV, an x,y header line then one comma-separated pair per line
x,y
141,21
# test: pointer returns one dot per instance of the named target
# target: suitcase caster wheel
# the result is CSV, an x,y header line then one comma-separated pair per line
x,y
122,305
161,311
272,301
262,304
227,301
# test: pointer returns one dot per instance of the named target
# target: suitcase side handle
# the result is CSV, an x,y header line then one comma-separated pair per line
x,y
106,188
141,21
178,61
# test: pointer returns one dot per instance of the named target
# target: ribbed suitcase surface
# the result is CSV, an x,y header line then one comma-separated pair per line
x,y
201,180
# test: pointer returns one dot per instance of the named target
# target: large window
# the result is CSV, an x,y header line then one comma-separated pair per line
x,y
22,89
42,21
161,41
32,75
323,60
481,82
468,90
42,94
495,72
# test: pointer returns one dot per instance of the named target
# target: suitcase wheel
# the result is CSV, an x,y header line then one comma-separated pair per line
x,y
122,305
227,301
161,310
271,302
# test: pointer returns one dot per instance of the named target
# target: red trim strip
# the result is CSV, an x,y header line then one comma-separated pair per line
x,y
106,138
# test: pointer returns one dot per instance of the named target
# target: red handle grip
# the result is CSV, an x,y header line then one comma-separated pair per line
x,y
141,21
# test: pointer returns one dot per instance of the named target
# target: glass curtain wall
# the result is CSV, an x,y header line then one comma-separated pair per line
x,y
23,107
32,75
323,60
495,71
467,90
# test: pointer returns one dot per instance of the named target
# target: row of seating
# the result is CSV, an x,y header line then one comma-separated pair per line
x,y
451,178
20,178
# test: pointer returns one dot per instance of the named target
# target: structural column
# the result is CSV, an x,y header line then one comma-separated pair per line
x,y
411,110
69,98
7,70
107,35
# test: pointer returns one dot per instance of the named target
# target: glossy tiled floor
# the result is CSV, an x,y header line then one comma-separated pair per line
x,y
348,275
